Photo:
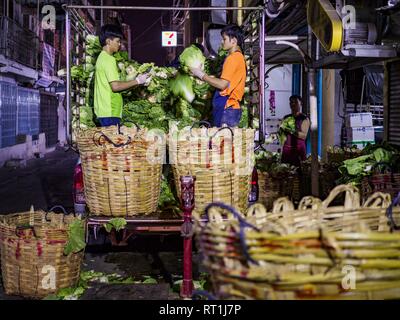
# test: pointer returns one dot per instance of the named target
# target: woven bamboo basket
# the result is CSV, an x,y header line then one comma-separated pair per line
x,y
273,187
335,156
32,248
328,174
327,179
351,153
304,253
122,170
221,159
382,182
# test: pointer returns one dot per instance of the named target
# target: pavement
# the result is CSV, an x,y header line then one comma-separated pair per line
x,y
45,182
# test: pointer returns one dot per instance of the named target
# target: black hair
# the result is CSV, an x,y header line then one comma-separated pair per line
x,y
234,31
200,46
109,31
295,96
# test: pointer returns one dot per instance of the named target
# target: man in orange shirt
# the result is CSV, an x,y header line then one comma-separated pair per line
x,y
230,86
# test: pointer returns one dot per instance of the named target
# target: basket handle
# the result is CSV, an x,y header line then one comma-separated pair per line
x,y
282,204
242,224
200,123
136,125
310,202
378,200
117,145
257,210
232,135
220,129
389,213
230,209
352,197
65,213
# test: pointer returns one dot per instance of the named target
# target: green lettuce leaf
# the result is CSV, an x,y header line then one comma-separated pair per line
x,y
76,237
288,124
115,223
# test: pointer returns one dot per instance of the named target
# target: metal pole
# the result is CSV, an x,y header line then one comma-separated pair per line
x,y
38,18
240,13
187,204
261,91
164,8
314,121
68,81
362,95
284,38
101,15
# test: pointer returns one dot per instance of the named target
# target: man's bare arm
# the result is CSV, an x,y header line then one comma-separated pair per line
x,y
220,84
117,86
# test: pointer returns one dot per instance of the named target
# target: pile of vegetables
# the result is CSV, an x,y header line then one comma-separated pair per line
x,y
172,95
270,162
375,159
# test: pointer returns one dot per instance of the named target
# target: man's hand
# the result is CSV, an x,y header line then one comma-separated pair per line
x,y
197,73
143,78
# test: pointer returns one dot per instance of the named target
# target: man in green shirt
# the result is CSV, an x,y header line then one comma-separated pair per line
x,y
107,99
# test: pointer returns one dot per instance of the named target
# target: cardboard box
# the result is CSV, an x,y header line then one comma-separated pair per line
x,y
361,134
363,119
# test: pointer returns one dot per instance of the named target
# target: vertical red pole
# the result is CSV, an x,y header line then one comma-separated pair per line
x,y
187,284
187,203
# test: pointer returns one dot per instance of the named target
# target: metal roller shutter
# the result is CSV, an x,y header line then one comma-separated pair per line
x,y
394,103
8,114
28,103
49,117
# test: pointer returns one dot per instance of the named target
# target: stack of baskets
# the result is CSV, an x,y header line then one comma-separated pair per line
x,y
122,170
315,252
221,160
33,262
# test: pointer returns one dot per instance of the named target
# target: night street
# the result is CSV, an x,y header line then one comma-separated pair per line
x,y
200,150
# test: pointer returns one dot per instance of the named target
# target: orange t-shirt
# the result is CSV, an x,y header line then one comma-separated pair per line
x,y
234,71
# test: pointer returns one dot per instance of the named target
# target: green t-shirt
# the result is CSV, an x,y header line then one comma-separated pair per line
x,y
106,102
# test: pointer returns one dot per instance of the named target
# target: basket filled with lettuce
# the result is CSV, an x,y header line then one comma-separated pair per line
x,y
373,171
275,179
